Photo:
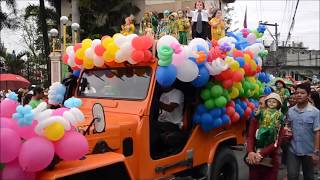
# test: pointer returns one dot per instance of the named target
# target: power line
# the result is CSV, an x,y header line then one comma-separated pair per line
x,y
284,14
292,23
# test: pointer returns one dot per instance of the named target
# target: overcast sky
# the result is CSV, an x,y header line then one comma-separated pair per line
x,y
306,27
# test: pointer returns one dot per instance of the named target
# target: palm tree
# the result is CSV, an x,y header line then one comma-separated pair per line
x,y
6,19
96,19
13,62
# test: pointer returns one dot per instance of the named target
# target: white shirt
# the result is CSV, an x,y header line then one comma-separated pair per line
x,y
175,117
194,15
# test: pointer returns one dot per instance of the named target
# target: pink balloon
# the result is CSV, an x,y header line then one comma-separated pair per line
x,y
8,107
7,123
59,112
10,144
13,171
36,154
177,59
27,132
72,146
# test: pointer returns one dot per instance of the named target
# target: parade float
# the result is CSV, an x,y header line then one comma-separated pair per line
x,y
118,82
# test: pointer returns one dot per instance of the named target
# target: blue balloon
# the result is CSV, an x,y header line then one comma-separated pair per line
x,y
267,90
223,110
216,112
239,110
217,122
225,119
76,73
166,75
196,118
206,122
261,28
202,78
237,101
240,61
243,105
201,109
241,45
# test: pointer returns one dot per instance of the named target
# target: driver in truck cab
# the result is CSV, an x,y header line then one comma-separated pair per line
x,y
170,118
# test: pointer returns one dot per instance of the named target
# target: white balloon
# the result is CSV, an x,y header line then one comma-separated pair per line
x,y
119,39
251,38
226,39
130,37
259,61
187,51
166,40
187,71
255,48
71,62
120,57
199,41
69,50
89,53
98,61
95,42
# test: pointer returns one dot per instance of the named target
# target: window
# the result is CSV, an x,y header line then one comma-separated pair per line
x,y
116,83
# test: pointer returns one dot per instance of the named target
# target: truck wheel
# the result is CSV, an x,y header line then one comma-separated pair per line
x,y
225,166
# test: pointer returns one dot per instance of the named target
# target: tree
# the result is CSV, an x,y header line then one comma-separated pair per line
x,y
13,62
6,19
97,19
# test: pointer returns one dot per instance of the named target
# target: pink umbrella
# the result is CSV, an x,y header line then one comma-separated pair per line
x,y
12,82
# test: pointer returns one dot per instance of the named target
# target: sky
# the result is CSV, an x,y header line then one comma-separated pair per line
x,y
306,26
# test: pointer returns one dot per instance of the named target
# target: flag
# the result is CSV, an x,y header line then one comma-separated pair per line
x,y
245,19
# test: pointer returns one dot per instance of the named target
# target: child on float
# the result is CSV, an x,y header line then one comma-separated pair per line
x,y
128,27
183,25
264,139
199,19
164,25
217,26
173,27
148,31
284,94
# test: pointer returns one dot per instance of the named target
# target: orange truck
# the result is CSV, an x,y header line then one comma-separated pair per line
x,y
121,105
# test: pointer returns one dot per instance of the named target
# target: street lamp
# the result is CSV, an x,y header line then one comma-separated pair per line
x,y
53,33
64,20
75,27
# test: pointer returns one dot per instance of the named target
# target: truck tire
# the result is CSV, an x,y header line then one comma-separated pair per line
x,y
225,165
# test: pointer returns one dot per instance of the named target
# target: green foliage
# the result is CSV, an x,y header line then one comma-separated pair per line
x,y
8,20
104,17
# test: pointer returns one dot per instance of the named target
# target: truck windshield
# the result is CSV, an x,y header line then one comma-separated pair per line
x,y
117,83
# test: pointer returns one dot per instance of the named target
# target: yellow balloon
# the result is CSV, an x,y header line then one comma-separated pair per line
x,y
88,63
253,65
229,60
234,93
237,85
108,57
86,43
106,41
80,53
54,131
112,48
234,65
246,57
115,35
241,70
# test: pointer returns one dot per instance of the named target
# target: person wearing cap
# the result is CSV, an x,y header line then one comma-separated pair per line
x,y
284,94
304,121
264,139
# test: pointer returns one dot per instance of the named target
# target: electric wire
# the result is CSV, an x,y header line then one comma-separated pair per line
x,y
292,22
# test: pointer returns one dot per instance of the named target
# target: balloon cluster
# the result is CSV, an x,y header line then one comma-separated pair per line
x,y
27,147
229,70
56,93
119,48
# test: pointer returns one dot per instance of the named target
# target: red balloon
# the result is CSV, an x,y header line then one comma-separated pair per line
x,y
249,53
137,43
231,103
230,110
227,84
75,68
77,46
147,56
247,69
235,118
99,50
237,53
258,69
237,76
227,74
65,58
147,42
251,105
137,55
247,112
78,61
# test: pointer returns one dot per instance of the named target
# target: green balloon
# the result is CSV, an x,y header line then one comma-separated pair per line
x,y
216,91
209,85
209,104
241,92
247,93
246,86
205,94
221,101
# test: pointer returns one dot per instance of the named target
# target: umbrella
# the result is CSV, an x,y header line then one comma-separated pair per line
x,y
12,82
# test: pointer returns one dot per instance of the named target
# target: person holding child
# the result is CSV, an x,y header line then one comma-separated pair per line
x,y
264,139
